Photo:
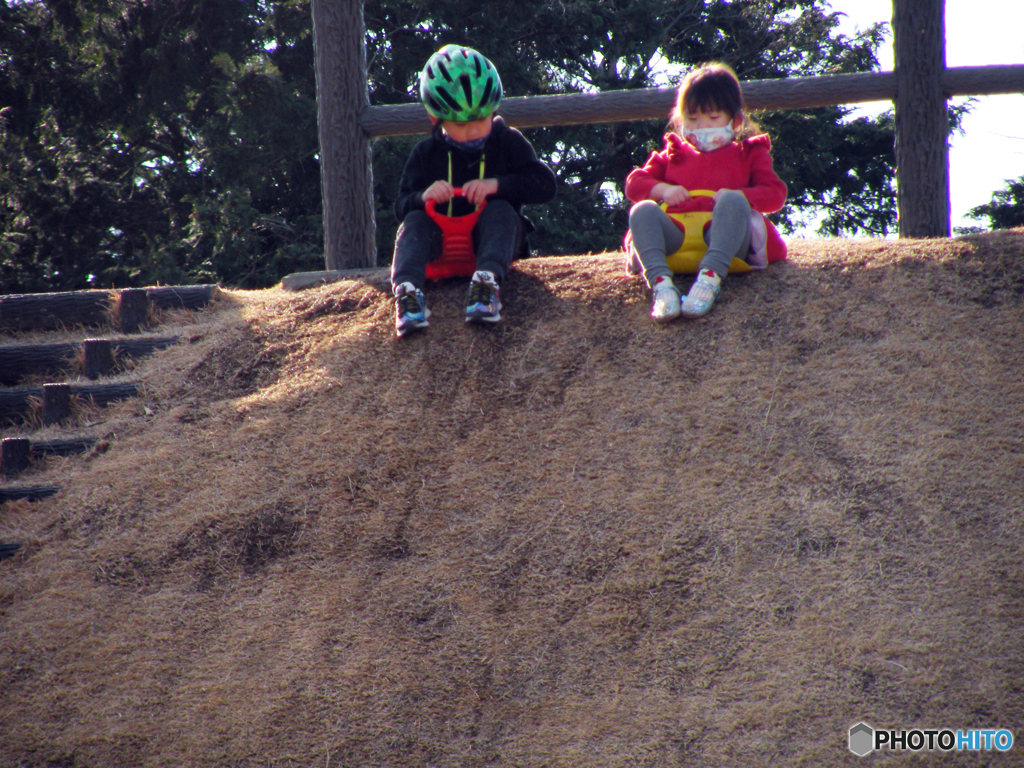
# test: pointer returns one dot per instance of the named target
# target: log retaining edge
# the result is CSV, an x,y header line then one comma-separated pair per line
x,y
69,309
19,361
16,404
31,493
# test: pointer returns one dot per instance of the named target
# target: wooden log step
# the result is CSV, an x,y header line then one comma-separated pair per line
x,y
49,311
17,453
62,447
183,296
29,492
16,404
19,361
299,281
9,549
68,309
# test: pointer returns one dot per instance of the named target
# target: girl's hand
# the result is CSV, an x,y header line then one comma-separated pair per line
x,y
719,193
475,191
670,194
440,192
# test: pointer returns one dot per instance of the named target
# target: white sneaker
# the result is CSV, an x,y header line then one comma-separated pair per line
x,y
702,295
666,301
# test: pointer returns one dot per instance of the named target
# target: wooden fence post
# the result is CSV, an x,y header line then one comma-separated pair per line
x,y
346,170
98,357
134,310
922,123
56,403
15,455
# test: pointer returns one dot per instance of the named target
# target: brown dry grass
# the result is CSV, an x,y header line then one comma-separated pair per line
x,y
575,539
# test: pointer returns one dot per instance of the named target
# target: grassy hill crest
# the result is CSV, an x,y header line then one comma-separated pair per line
x,y
575,539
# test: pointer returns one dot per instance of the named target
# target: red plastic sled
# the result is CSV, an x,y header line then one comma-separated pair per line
x,y
457,257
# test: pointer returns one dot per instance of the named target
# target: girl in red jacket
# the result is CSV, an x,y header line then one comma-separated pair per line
x,y
719,150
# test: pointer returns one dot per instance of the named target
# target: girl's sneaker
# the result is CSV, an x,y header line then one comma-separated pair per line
x,y
484,302
702,295
666,300
410,309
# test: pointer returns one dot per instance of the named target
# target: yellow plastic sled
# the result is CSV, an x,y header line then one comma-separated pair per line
x,y
686,260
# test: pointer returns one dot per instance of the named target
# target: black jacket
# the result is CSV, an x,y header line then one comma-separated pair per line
x,y
507,157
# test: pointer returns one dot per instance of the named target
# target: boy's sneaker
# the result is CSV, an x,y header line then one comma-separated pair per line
x,y
666,300
484,304
702,295
410,309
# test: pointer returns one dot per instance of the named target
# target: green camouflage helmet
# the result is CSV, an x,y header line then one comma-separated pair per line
x,y
460,85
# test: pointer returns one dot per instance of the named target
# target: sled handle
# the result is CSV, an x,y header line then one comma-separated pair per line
x,y
693,193
457,192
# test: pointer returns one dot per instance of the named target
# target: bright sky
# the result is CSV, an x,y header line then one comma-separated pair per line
x,y
978,33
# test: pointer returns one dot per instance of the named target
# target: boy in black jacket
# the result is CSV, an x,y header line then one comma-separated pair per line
x,y
474,149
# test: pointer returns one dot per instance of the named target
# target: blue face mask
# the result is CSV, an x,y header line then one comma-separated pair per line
x,y
467,146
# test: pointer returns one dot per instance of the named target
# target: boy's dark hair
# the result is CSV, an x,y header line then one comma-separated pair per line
x,y
712,86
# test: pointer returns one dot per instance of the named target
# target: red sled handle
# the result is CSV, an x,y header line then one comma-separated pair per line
x,y
457,257
457,192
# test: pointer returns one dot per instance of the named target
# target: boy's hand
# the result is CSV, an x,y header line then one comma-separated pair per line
x,y
440,192
475,191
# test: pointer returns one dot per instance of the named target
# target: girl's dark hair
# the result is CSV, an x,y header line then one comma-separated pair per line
x,y
712,86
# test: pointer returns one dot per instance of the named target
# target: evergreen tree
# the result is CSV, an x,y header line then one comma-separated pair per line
x,y
840,173
176,141
1006,208
146,142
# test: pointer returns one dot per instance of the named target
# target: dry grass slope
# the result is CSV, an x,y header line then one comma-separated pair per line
x,y
575,539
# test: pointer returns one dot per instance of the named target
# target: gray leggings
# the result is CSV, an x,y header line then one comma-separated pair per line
x,y
655,234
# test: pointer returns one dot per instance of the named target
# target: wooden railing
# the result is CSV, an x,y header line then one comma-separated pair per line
x,y
656,103
918,85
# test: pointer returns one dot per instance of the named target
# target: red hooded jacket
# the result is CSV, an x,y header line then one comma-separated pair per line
x,y
745,166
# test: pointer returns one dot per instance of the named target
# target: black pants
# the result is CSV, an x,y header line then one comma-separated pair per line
x,y
498,237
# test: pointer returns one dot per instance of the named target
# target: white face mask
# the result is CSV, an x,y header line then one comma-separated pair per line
x,y
708,139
